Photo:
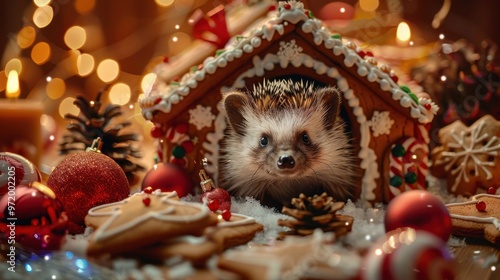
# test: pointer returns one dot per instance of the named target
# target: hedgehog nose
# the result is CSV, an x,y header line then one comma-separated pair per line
x,y
286,161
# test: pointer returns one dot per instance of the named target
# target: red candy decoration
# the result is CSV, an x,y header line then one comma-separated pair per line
x,y
188,146
169,177
146,201
158,100
492,190
419,210
39,219
157,132
148,190
84,180
213,193
16,170
427,106
226,215
287,6
408,254
481,206
211,28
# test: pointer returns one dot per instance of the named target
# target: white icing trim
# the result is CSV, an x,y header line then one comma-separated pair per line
x,y
492,220
246,221
103,233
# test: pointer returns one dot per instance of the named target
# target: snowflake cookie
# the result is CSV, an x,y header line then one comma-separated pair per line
x,y
469,156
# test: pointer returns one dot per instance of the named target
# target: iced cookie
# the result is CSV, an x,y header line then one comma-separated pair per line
x,y
469,157
144,219
477,218
239,230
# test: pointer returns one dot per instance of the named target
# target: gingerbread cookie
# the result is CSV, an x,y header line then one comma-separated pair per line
x,y
144,219
239,230
469,157
477,218
309,257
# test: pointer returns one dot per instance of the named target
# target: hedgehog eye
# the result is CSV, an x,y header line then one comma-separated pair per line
x,y
264,141
306,140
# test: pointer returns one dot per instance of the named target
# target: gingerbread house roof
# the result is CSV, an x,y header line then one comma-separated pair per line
x,y
167,99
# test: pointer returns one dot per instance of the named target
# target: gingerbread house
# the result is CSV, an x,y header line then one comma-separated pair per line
x,y
388,123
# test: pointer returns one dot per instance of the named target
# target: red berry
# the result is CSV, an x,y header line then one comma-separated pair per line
x,y
165,59
427,106
226,215
272,8
369,53
148,190
146,201
395,78
287,6
156,132
213,205
362,54
157,100
481,206
492,190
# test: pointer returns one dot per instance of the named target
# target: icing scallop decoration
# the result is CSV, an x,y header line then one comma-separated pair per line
x,y
419,210
409,254
16,170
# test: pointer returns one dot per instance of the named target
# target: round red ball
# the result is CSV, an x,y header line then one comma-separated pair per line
x,y
220,195
17,170
420,210
85,180
169,177
41,222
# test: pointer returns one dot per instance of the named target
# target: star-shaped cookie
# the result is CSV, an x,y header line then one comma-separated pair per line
x,y
144,219
468,221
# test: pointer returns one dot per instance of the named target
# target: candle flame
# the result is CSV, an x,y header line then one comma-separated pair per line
x,y
12,90
403,32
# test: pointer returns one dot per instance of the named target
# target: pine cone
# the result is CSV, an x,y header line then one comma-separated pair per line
x,y
315,212
93,123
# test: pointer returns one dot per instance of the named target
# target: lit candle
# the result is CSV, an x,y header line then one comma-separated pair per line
x,y
20,129
403,34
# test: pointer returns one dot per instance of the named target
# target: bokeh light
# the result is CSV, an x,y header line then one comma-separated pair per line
x,y
108,70
67,107
147,81
14,65
85,64
403,32
119,94
41,3
40,53
55,88
43,16
26,37
178,42
12,90
164,3
369,5
84,6
75,37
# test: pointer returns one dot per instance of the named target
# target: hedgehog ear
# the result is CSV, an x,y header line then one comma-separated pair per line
x,y
331,100
234,104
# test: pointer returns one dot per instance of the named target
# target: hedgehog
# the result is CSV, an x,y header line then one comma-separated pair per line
x,y
285,138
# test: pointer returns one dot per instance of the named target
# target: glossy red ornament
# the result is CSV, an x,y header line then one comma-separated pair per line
x,y
16,170
405,254
213,205
85,180
226,215
33,217
481,206
169,177
220,195
492,190
420,210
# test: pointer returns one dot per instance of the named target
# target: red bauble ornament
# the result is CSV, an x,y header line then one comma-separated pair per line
x,y
85,180
408,254
16,170
220,195
168,177
226,215
32,217
420,210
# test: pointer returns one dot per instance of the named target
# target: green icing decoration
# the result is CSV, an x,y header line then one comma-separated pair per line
x,y
395,181
398,150
410,177
219,52
310,14
405,89
178,152
414,97
336,36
